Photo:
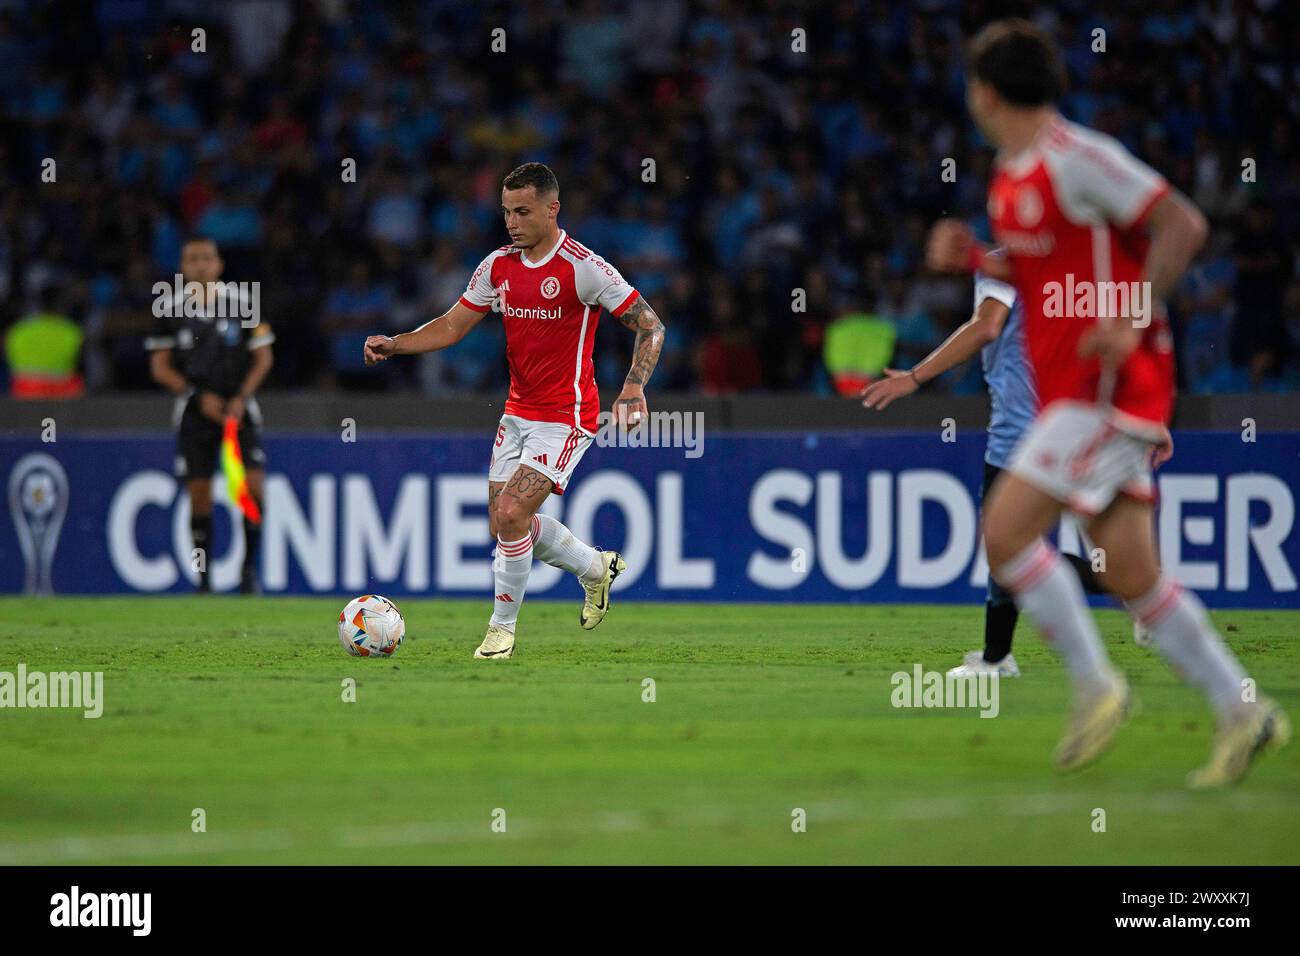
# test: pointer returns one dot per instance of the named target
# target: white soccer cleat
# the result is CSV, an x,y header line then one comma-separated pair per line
x,y
974,664
596,604
1142,635
497,645
1092,726
1236,744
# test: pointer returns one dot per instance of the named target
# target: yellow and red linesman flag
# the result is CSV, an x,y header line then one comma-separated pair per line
x,y
232,465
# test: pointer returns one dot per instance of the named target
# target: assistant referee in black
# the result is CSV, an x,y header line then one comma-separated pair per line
x,y
213,358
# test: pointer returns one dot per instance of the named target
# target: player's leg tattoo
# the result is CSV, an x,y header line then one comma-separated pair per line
x,y
494,489
519,500
514,507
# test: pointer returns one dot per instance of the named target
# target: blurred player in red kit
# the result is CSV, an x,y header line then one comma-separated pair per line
x,y
1095,241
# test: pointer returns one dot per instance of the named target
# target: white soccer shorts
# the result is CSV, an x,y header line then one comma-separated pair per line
x,y
549,447
1084,456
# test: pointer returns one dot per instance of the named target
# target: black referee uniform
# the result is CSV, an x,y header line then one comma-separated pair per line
x,y
213,352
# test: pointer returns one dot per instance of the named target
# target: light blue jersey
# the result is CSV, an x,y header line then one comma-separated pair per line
x,y
1008,374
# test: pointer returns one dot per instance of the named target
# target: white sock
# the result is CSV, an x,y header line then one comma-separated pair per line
x,y
1048,590
1182,630
557,546
510,574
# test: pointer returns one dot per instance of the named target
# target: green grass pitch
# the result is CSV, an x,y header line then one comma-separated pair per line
x,y
235,706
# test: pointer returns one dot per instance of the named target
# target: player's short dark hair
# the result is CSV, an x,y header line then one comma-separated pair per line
x,y
537,175
194,237
1019,60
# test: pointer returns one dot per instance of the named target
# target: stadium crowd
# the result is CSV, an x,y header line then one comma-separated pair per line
x,y
776,167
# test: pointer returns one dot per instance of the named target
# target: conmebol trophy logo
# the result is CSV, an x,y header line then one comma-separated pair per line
x,y
38,501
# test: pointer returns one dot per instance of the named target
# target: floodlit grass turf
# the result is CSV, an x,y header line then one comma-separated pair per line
x,y
234,705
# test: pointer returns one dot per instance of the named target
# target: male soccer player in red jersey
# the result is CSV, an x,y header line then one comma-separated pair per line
x,y
550,291
1095,240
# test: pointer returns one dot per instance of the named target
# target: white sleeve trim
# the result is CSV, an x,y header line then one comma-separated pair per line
x,y
600,284
479,291
986,287
1098,180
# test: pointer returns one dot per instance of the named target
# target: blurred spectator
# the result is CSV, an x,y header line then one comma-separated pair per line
x,y
311,135
353,310
727,361
1258,334
857,347
42,351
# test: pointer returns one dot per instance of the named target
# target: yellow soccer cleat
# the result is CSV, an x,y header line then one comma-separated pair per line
x,y
1265,727
497,645
1092,726
596,604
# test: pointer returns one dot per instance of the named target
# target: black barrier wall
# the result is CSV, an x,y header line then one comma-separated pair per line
x,y
312,411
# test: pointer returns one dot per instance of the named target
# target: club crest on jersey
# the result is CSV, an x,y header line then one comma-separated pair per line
x,y
550,287
1029,206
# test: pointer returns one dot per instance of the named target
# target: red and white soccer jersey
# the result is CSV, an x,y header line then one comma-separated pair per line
x,y
1069,211
550,309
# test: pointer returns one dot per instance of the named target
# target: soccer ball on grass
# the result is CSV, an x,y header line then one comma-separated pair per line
x,y
371,626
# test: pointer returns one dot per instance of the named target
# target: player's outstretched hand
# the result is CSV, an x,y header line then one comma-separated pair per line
x,y
896,384
949,247
1113,343
630,409
378,348
1164,449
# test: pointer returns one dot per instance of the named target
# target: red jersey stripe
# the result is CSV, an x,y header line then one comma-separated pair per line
x,y
623,306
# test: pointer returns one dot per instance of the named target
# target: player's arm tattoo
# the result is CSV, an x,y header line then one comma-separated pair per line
x,y
649,340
